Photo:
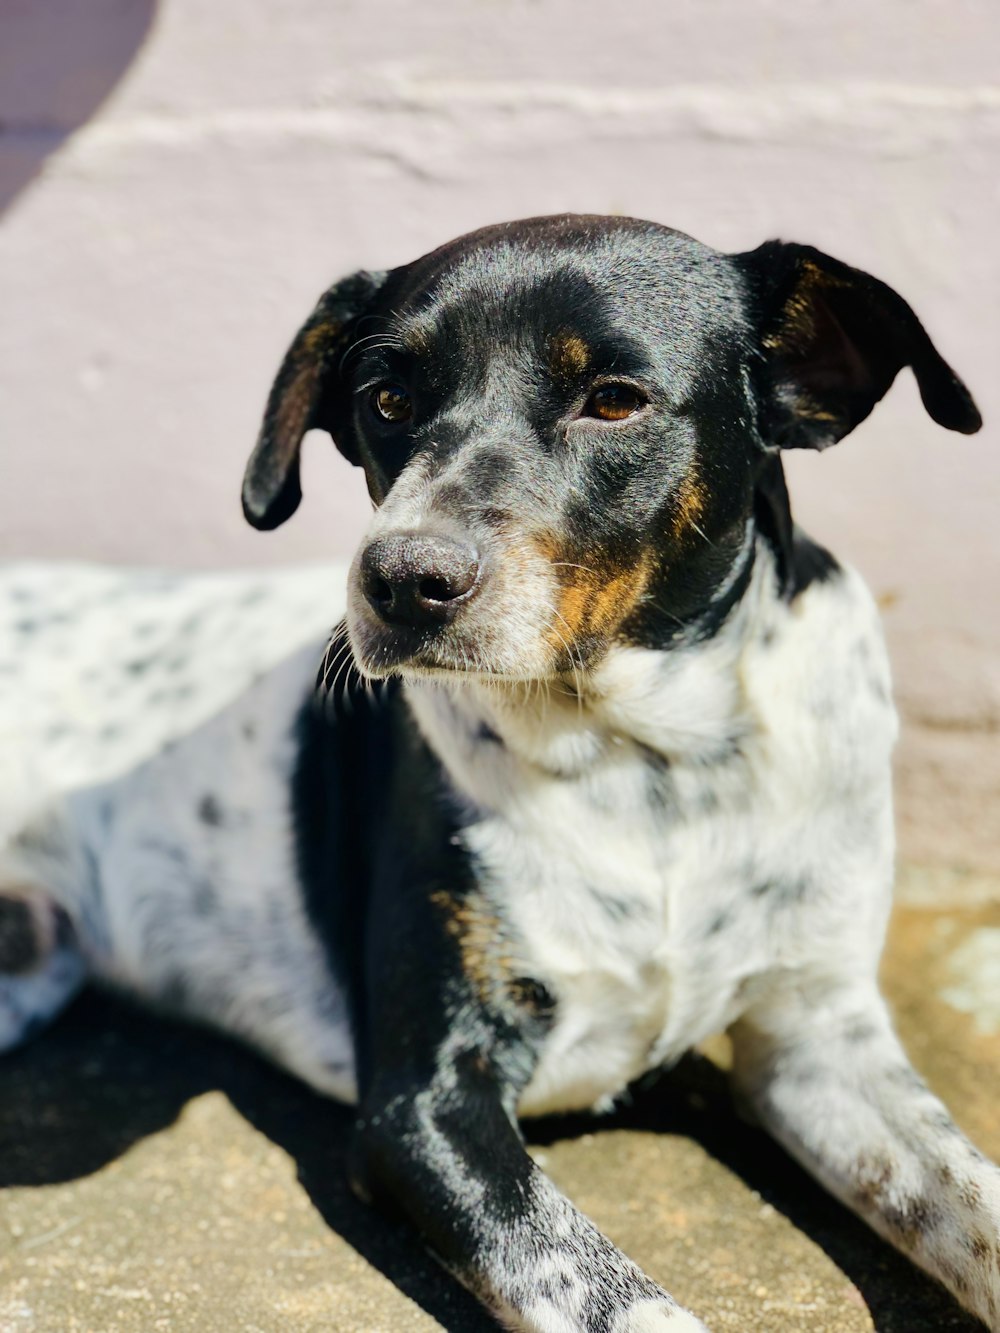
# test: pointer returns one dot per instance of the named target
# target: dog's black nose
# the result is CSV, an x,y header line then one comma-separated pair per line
x,y
418,578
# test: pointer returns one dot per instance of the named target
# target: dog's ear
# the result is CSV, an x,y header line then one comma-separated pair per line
x,y
831,341
304,395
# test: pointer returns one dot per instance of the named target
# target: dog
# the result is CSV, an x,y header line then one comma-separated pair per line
x,y
598,766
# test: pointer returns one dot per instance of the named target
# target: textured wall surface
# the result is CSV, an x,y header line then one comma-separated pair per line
x,y
179,180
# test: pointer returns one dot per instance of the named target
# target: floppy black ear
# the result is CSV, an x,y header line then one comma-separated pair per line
x,y
302,397
832,340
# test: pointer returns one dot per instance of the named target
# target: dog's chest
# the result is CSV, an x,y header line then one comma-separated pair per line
x,y
613,897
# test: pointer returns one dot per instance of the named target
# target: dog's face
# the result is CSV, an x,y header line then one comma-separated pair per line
x,y
563,422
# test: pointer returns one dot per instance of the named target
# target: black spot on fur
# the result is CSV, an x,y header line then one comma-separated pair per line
x,y
533,995
210,810
487,734
707,801
860,1031
783,892
719,922
614,908
20,946
249,730
39,839
912,1218
653,759
971,1194
979,1247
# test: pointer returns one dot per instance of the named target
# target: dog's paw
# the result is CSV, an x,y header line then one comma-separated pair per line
x,y
657,1317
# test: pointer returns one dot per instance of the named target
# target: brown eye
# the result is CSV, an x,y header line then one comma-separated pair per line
x,y
392,403
614,402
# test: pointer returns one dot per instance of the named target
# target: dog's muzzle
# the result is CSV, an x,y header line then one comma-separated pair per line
x,y
419,580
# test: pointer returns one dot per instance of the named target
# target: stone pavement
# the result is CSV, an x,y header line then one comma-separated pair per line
x,y
160,1178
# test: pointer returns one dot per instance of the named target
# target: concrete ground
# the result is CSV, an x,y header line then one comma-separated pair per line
x,y
160,1178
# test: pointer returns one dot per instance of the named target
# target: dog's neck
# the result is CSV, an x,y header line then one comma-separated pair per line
x,y
685,702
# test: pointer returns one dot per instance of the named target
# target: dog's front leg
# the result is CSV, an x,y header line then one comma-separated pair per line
x,y
449,1043
447,1153
822,1068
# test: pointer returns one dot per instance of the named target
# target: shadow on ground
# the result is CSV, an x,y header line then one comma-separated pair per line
x,y
107,1076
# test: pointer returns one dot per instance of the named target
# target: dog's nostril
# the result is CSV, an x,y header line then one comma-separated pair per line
x,y
379,591
438,590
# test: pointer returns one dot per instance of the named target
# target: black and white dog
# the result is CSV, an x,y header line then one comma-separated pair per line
x,y
626,783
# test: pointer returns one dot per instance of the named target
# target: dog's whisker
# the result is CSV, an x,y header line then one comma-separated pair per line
x,y
568,564
332,665
372,342
658,606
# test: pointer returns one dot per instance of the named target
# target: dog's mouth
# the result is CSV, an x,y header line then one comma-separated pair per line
x,y
380,651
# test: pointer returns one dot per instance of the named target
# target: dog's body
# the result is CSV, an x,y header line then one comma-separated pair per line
x,y
633,790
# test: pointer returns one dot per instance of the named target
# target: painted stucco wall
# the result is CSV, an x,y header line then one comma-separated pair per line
x,y
179,180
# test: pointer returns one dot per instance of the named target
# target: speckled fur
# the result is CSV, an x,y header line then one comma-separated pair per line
x,y
665,840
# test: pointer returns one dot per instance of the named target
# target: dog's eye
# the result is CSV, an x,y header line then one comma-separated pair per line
x,y
614,402
392,403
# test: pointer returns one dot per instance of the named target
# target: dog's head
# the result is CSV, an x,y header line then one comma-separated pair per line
x,y
562,424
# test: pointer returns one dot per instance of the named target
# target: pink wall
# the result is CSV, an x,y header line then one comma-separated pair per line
x,y
157,251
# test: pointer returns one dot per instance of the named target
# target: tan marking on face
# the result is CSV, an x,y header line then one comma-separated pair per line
x,y
574,601
591,600
689,504
569,355
479,935
615,601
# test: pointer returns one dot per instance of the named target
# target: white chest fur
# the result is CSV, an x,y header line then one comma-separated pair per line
x,y
706,819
